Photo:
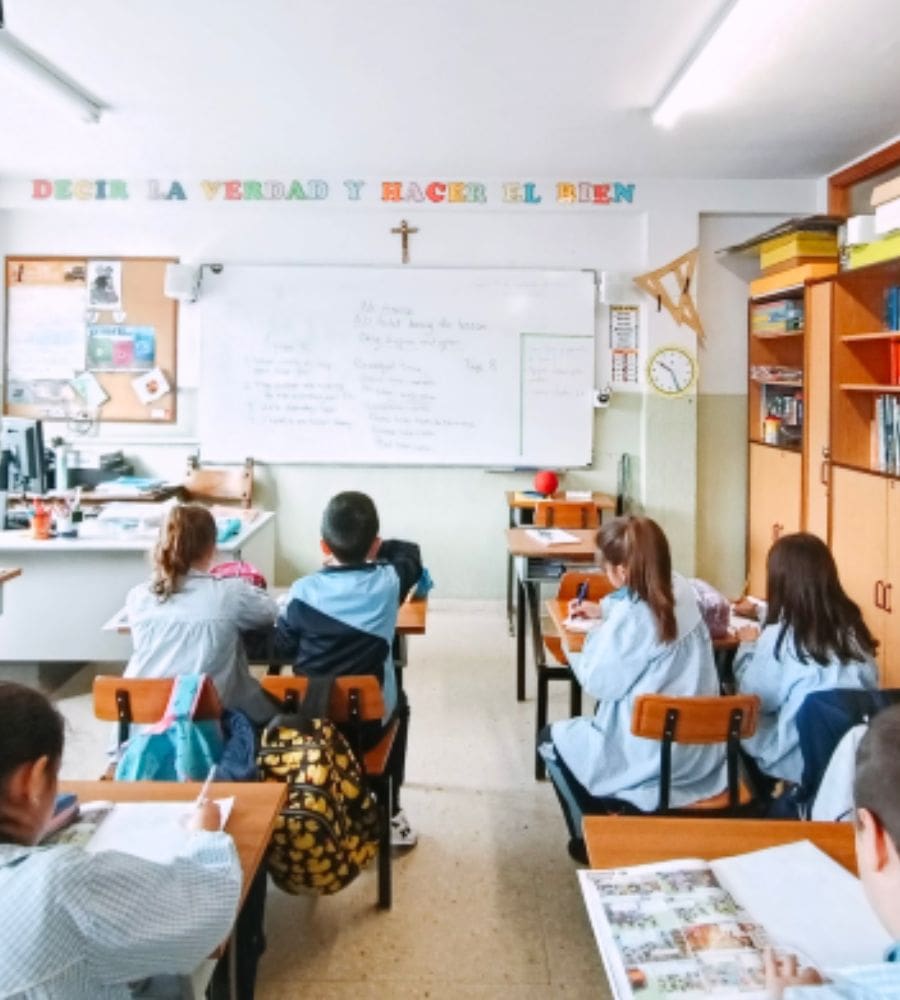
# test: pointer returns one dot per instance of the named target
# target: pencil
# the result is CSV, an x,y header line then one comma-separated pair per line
x,y
201,798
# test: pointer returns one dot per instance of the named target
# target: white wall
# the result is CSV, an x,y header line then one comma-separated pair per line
x,y
457,514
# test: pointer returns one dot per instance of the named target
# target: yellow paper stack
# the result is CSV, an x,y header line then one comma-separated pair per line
x,y
793,258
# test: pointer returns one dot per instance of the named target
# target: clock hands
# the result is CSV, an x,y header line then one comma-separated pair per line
x,y
671,372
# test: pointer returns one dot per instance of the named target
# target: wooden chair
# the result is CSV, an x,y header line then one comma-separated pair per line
x,y
221,484
566,514
598,587
143,700
354,701
697,721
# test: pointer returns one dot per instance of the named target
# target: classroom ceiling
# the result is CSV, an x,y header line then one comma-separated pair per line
x,y
448,89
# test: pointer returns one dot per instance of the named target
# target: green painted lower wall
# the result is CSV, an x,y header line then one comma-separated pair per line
x,y
722,490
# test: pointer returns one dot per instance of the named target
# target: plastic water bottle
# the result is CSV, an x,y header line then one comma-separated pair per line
x,y
61,460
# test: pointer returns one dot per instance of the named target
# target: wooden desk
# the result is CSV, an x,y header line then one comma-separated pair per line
x,y
412,619
535,563
7,574
256,806
521,511
252,819
79,583
619,841
723,649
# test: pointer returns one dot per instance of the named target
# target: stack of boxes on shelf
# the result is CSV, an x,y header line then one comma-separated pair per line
x,y
871,239
795,257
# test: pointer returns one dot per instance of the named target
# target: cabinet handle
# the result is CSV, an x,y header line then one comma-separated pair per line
x,y
879,590
823,472
887,598
776,531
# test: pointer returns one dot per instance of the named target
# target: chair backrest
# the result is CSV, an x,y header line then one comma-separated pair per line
x,y
696,720
598,585
823,719
354,698
566,514
144,700
220,483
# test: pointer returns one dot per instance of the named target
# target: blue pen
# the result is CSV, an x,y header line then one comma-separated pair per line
x,y
582,591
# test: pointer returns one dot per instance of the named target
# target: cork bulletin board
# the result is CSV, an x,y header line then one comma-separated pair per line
x,y
89,338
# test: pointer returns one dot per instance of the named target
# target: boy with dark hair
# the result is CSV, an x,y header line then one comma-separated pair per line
x,y
876,791
342,619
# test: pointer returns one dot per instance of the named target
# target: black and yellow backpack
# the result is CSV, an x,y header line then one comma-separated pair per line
x,y
328,830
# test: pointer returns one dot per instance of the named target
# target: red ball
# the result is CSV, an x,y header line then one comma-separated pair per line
x,y
546,483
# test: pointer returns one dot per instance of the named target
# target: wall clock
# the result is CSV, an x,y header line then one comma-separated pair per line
x,y
671,370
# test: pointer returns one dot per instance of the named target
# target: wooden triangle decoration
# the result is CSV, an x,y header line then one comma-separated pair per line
x,y
684,309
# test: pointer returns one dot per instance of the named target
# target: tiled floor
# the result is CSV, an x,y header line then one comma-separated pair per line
x,y
487,905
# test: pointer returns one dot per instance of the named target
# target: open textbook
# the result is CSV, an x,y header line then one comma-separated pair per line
x,y
691,929
155,831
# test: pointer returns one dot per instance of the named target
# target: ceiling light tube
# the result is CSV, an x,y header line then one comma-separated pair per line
x,y
739,37
51,81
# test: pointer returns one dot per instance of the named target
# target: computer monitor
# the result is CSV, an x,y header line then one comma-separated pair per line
x,y
22,466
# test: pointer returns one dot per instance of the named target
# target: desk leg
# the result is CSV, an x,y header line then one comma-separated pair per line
x,y
521,606
510,598
399,654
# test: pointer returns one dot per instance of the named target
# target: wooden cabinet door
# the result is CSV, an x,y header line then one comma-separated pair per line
x,y
890,658
859,543
774,507
817,369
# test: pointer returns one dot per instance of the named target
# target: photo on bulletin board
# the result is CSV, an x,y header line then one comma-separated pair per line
x,y
120,348
90,339
104,278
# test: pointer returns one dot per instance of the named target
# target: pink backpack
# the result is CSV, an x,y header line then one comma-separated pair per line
x,y
241,571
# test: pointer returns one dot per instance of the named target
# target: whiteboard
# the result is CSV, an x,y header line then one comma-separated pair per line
x,y
413,366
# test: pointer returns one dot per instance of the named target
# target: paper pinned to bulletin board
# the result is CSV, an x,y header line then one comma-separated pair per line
x,y
90,338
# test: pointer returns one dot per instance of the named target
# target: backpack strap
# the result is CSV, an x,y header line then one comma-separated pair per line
x,y
317,700
183,701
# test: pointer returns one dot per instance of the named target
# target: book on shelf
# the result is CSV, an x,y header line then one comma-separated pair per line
x,y
886,434
692,928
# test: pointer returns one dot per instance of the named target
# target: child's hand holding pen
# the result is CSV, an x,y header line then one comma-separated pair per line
x,y
581,608
207,815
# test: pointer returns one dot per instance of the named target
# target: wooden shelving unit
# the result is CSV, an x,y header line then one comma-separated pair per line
x,y
861,360
783,349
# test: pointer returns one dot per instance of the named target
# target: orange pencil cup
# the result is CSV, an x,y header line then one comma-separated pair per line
x,y
40,523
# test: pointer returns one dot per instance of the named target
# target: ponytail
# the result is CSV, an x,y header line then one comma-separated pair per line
x,y
639,545
187,535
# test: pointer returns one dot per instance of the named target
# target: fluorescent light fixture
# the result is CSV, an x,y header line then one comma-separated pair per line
x,y
741,36
47,79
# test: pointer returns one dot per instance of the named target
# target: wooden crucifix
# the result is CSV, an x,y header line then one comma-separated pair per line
x,y
404,231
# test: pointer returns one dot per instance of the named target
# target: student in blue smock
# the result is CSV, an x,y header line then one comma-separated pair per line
x,y
80,926
650,638
813,639
186,621
876,792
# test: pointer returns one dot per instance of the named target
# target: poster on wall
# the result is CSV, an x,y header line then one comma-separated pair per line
x,y
624,329
111,347
104,278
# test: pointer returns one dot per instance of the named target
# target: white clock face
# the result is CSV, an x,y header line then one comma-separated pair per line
x,y
671,371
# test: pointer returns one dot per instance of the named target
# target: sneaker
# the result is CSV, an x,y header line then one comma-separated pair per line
x,y
402,834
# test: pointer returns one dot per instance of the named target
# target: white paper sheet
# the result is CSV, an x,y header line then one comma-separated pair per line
x,y
46,331
551,536
156,831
